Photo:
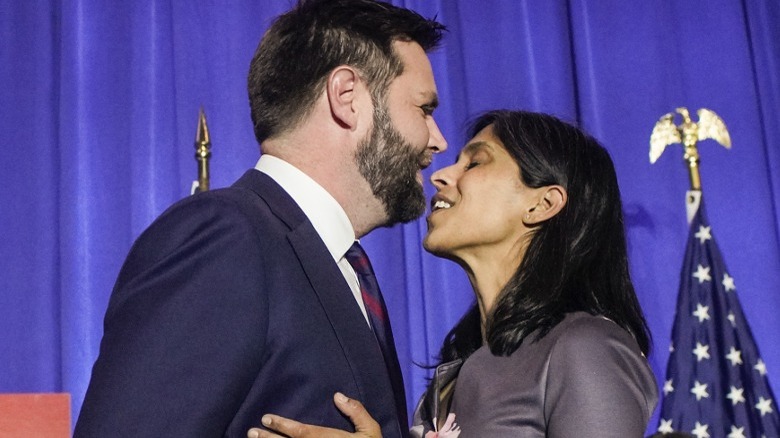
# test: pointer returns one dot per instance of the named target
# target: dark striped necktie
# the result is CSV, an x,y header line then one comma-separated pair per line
x,y
380,322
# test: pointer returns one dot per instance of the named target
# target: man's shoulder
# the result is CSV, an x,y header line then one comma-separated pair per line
x,y
254,198
232,204
240,211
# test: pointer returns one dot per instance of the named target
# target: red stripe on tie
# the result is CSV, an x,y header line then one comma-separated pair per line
x,y
373,306
362,263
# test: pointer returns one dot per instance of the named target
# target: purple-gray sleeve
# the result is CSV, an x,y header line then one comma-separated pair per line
x,y
599,384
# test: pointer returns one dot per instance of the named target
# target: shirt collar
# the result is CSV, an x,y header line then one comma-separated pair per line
x,y
323,211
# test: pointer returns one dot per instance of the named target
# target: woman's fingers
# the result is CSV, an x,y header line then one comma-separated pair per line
x,y
281,427
260,433
284,427
364,423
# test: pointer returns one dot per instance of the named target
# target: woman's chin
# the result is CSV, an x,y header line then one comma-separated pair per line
x,y
426,243
436,248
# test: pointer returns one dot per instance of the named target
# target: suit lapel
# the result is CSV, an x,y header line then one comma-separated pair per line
x,y
357,340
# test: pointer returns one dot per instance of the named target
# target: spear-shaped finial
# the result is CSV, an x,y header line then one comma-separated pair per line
x,y
202,153
688,133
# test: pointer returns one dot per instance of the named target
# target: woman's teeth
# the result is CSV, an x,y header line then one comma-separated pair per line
x,y
441,204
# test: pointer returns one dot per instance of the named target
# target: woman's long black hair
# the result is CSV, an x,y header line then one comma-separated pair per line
x,y
575,261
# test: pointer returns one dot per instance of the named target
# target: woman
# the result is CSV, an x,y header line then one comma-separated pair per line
x,y
555,344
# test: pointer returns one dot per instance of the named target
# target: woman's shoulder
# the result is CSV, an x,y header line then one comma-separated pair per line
x,y
583,331
590,345
596,366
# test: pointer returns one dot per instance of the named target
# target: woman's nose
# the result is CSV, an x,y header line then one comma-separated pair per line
x,y
443,177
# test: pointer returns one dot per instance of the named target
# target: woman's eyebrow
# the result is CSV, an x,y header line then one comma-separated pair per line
x,y
472,148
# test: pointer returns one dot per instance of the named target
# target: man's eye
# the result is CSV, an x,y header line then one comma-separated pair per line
x,y
472,164
427,110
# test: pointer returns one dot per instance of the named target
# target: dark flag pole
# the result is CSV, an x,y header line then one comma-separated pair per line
x,y
202,154
716,383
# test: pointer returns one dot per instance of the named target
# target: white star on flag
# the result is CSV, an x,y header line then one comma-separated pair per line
x,y
735,356
701,431
668,388
736,395
671,347
704,234
716,385
702,352
701,312
764,405
737,432
728,283
700,390
702,274
760,367
665,426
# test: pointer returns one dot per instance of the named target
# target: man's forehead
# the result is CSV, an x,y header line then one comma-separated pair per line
x,y
413,56
417,70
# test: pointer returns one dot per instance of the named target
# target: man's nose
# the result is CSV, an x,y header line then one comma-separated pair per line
x,y
436,140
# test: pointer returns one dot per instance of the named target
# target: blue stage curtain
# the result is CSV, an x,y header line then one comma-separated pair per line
x,y
98,112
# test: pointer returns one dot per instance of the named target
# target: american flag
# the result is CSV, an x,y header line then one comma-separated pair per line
x,y
716,383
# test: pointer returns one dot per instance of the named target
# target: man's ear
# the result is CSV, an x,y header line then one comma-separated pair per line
x,y
343,87
551,200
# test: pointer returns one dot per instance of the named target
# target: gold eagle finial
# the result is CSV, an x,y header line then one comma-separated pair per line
x,y
665,132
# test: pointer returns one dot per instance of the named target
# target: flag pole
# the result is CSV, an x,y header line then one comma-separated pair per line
x,y
202,154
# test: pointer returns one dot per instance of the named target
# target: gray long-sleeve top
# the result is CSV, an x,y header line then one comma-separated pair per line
x,y
585,378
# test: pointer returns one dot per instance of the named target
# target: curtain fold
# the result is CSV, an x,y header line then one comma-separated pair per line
x,y
98,113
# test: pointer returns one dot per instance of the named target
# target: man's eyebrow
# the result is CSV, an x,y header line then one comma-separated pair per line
x,y
432,99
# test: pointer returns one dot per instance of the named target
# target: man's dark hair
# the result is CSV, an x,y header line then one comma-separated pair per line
x,y
304,45
576,260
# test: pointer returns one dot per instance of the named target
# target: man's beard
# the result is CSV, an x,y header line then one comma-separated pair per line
x,y
390,165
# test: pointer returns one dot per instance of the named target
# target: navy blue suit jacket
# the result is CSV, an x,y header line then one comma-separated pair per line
x,y
229,306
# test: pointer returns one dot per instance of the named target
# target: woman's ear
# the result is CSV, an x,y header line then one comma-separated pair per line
x,y
551,200
343,89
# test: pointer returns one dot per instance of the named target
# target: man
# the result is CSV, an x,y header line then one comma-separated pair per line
x,y
241,301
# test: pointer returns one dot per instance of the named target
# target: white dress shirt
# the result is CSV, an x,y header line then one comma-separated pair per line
x,y
323,211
